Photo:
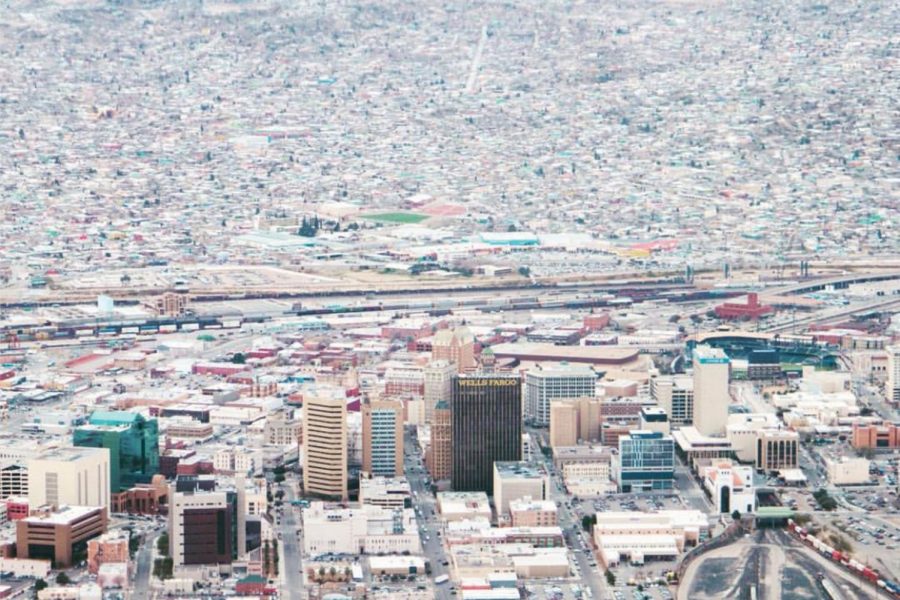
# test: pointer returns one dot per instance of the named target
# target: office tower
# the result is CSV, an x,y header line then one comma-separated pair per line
x,y
325,447
675,395
204,526
133,444
487,427
456,346
438,379
382,438
75,476
646,462
711,397
440,452
892,388
544,385
13,481
573,420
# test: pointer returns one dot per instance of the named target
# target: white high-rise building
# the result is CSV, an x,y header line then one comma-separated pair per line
x,y
712,369
892,388
438,385
544,385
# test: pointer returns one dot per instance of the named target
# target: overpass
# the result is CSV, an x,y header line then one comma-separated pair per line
x,y
839,282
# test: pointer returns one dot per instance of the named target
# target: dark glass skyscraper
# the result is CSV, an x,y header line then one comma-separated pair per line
x,y
486,412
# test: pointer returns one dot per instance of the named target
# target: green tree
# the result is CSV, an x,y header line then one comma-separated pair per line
x,y
736,515
239,358
610,578
39,585
162,544
524,271
63,579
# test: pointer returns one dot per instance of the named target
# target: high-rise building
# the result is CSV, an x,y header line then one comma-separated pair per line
x,y
438,379
892,387
133,444
486,411
646,462
204,526
325,447
13,481
382,438
544,385
573,420
439,457
75,476
456,346
675,395
711,397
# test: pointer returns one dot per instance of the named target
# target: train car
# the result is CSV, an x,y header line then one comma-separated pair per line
x,y
168,328
131,329
107,331
190,326
231,323
84,332
148,329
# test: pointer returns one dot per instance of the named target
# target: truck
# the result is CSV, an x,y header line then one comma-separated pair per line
x,y
441,579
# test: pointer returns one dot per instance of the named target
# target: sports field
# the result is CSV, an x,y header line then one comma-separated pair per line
x,y
396,217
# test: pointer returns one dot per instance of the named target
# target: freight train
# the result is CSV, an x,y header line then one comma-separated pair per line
x,y
891,588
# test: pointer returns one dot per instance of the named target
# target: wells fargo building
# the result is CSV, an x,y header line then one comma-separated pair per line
x,y
486,413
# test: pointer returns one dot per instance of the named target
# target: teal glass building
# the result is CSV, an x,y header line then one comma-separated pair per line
x,y
133,444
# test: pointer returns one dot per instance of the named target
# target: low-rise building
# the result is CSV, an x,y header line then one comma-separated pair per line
x,y
459,506
514,480
385,492
526,512
357,530
640,536
848,471
56,535
730,486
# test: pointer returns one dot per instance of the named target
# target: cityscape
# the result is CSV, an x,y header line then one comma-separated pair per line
x,y
476,300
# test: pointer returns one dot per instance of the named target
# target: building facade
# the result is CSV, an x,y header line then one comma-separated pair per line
x,y
892,385
438,385
777,449
382,436
439,457
486,426
646,462
455,346
712,370
674,394
876,437
544,385
574,420
77,476
205,527
516,480
60,536
133,444
325,447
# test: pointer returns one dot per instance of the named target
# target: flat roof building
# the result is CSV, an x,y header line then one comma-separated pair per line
x,y
59,535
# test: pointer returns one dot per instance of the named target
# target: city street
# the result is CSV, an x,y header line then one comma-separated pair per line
x,y
291,546
429,523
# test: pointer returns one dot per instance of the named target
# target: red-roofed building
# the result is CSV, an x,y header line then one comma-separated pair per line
x,y
751,310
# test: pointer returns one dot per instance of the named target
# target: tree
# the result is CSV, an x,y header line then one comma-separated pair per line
x,y
587,521
162,544
134,542
610,578
736,515
524,271
63,579
39,585
239,358
279,477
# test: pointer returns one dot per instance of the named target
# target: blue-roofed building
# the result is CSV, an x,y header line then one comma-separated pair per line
x,y
132,441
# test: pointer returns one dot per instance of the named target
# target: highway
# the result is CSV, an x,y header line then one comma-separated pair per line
x,y
838,314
